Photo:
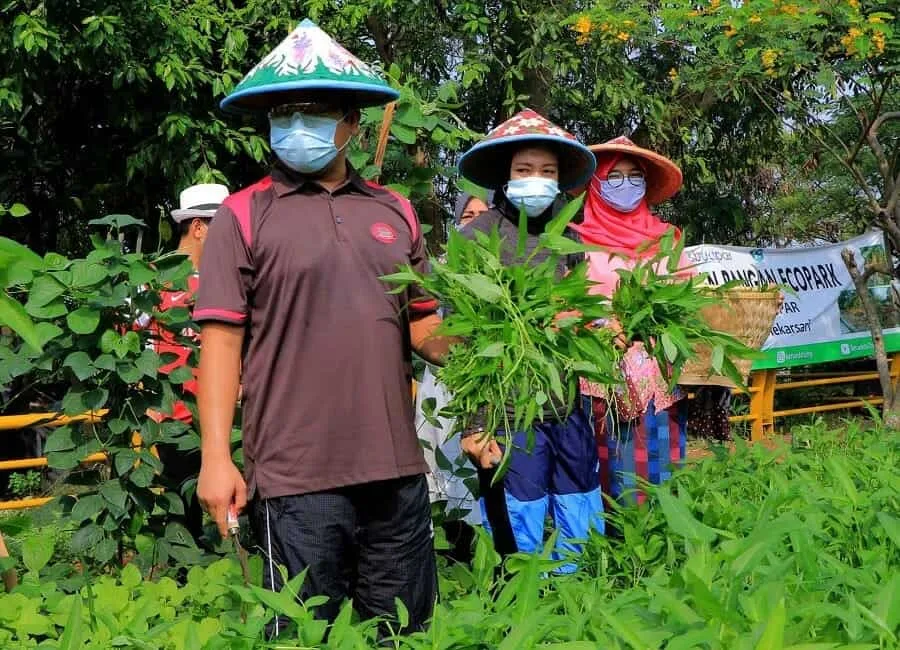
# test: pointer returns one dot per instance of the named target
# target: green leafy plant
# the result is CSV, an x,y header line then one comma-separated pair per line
x,y
520,355
23,484
654,305
755,549
84,312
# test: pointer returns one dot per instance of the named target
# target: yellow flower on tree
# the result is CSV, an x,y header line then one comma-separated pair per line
x,y
768,58
673,74
583,25
849,40
623,36
853,3
714,3
755,19
791,10
878,42
730,31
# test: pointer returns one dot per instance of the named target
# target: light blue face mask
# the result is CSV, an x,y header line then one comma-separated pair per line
x,y
305,143
624,198
534,193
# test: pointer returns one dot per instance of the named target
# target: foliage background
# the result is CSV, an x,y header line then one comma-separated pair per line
x,y
112,107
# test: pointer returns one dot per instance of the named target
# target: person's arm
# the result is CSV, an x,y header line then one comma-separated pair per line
x,y
10,579
434,349
222,311
220,483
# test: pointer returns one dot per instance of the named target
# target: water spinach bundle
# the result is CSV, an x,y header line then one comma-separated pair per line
x,y
527,333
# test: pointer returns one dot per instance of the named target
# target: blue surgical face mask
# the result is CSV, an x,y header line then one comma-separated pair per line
x,y
305,143
534,193
624,198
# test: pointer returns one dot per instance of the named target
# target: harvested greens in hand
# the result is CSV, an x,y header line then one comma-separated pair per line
x,y
655,305
527,333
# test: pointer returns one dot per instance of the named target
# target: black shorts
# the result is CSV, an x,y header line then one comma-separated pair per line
x,y
371,542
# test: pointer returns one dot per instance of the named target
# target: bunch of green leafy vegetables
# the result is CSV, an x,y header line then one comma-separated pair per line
x,y
660,303
527,335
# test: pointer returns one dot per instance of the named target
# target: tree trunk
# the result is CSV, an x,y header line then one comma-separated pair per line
x,y
891,407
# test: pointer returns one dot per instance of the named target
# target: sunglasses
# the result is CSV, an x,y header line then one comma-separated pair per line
x,y
318,109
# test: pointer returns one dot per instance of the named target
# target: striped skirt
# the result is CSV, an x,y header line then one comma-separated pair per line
x,y
649,447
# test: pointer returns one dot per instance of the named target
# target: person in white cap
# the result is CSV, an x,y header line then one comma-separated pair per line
x,y
197,206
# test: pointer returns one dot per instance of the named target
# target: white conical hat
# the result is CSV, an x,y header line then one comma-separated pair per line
x,y
200,201
312,64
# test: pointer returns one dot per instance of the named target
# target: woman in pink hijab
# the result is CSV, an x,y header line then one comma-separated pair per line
x,y
641,428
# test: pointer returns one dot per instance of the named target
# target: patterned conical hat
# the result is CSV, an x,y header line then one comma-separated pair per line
x,y
487,163
663,176
309,65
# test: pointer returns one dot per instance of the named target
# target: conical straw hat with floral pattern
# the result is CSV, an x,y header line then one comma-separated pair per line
x,y
663,176
487,163
309,66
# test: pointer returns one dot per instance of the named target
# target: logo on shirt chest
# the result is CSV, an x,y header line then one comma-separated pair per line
x,y
383,232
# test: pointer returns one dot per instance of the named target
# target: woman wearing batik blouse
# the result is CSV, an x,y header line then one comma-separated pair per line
x,y
640,426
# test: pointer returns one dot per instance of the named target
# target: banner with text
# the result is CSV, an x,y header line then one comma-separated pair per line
x,y
822,318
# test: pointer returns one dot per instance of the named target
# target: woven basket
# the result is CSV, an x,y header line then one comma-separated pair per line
x,y
747,315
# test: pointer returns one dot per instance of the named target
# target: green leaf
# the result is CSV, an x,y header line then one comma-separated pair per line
x,y
142,475
491,351
561,221
148,363
87,274
95,399
773,636
482,287
887,603
131,576
54,309
87,507
105,362
129,373
117,221
73,633
13,315
108,342
105,550
44,290
680,519
124,461
18,210
180,375
403,133
718,357
402,614
81,365
669,347
113,492
37,551
562,245
60,440
86,538
891,526
48,331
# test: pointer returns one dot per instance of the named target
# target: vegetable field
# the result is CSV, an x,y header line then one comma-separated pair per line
x,y
760,549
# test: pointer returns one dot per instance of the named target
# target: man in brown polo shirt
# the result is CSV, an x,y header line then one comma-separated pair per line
x,y
291,286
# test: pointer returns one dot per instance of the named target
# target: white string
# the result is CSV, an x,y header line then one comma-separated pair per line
x,y
271,563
